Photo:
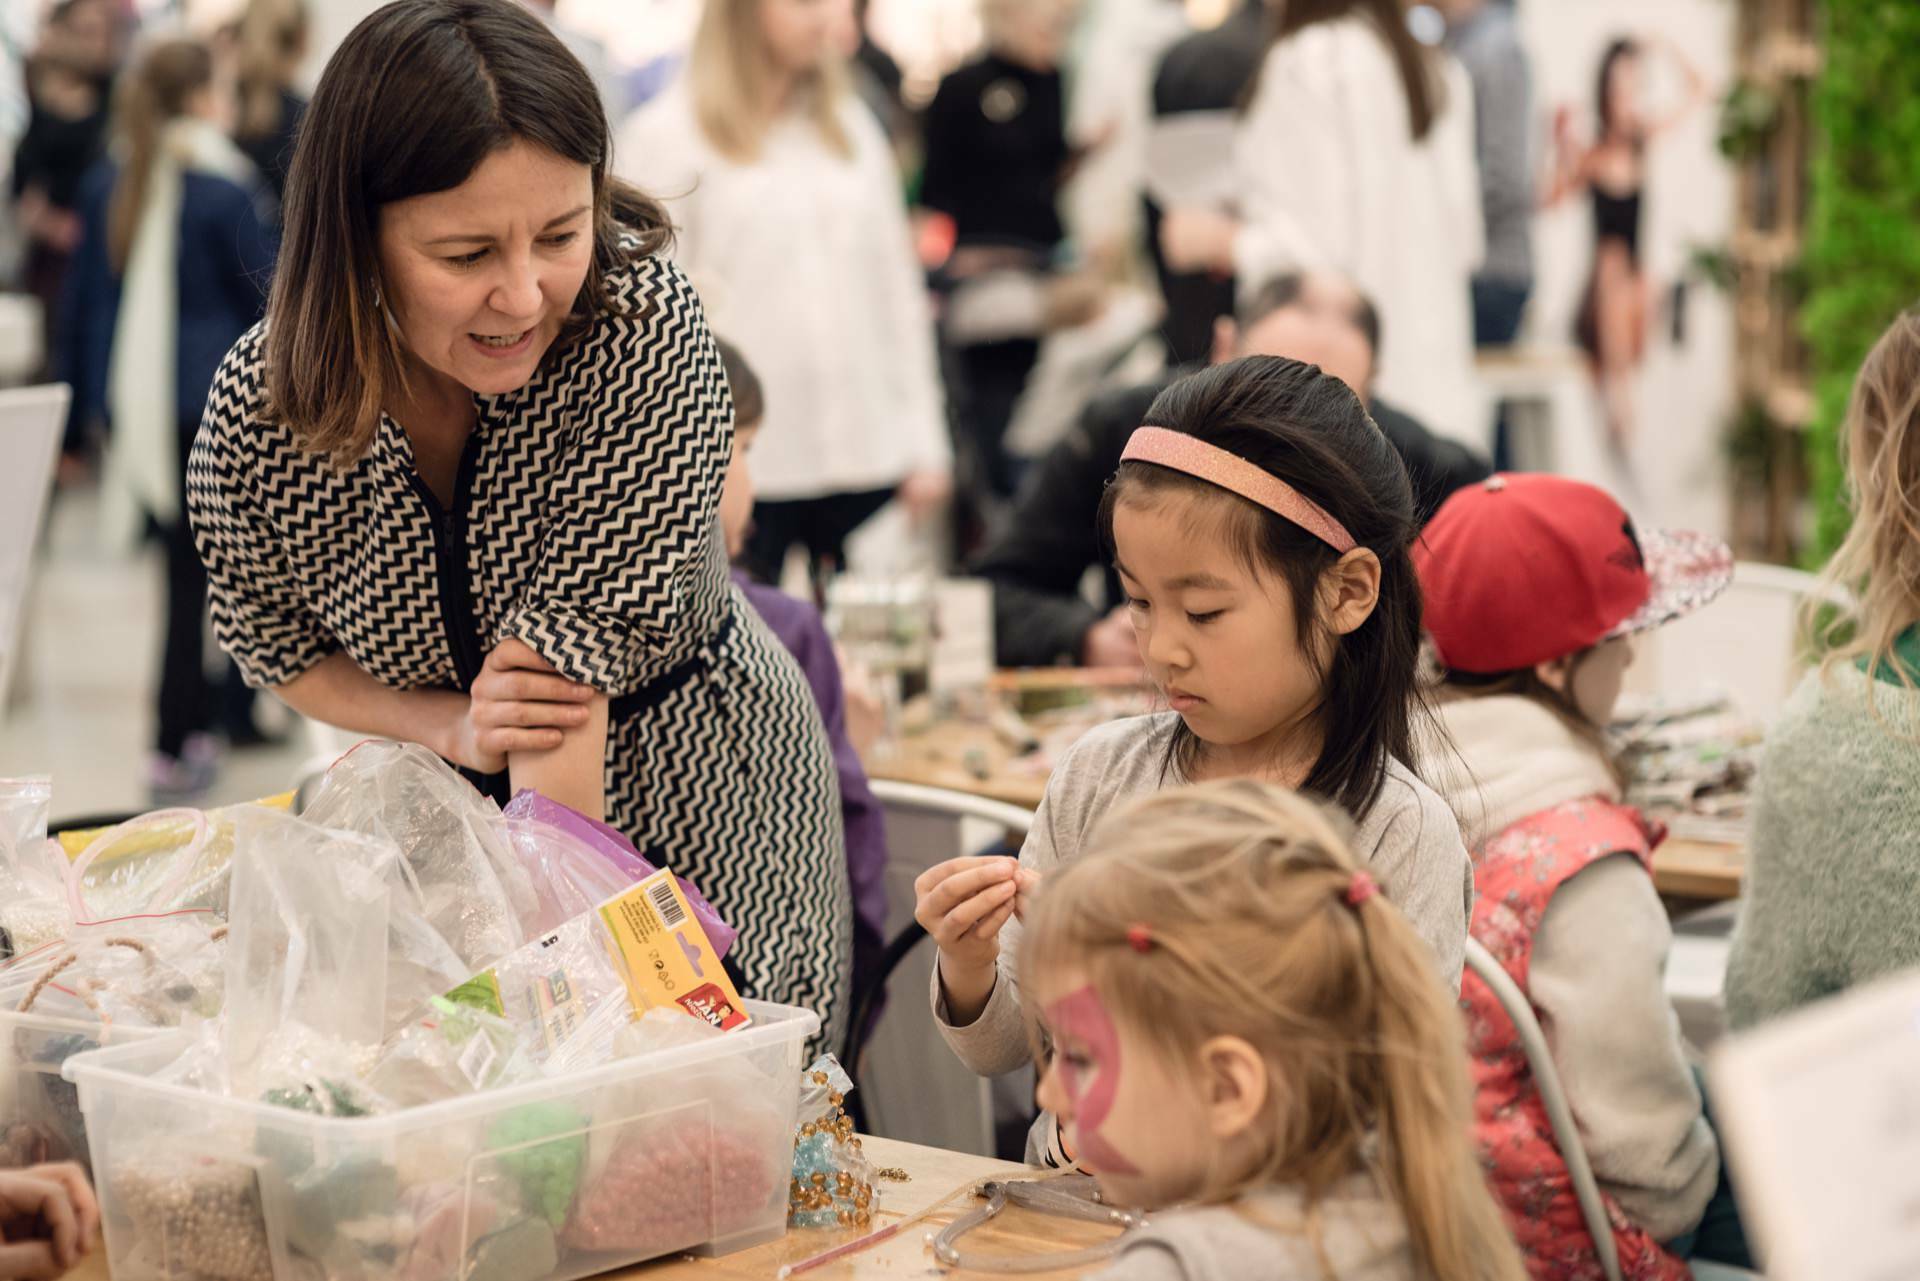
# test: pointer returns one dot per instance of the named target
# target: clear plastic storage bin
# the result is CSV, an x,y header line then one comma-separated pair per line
x,y
682,1149
39,1111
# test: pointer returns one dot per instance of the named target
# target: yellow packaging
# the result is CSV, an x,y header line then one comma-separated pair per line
x,y
665,957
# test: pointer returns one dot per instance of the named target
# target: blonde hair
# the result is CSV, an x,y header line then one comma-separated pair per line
x,y
270,36
1879,562
156,92
729,70
1243,890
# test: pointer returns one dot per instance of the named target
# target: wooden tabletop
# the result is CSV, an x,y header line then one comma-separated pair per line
x,y
934,1175
971,758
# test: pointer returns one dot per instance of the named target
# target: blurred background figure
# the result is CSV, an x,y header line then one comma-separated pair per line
x,y
1482,34
593,56
792,225
172,263
69,86
1049,542
1356,154
1617,307
878,80
268,43
1198,89
997,157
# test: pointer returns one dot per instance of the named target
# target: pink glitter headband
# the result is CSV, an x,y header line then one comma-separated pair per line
x,y
1195,457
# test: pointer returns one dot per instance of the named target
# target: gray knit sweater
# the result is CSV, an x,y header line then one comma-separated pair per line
x,y
1833,868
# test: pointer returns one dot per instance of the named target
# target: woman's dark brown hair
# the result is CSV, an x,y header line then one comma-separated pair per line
x,y
1310,430
418,95
1418,75
153,95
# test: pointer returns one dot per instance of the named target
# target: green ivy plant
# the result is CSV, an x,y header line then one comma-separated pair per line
x,y
1863,234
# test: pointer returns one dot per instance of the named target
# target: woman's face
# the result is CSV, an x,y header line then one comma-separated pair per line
x,y
800,33
1034,33
1623,95
479,278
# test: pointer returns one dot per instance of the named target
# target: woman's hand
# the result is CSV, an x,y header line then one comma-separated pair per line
x,y
48,1218
1198,240
964,903
518,703
924,493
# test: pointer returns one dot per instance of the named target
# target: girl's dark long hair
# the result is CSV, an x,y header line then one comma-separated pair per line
x,y
1418,74
1309,429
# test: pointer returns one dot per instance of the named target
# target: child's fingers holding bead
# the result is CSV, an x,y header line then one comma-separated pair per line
x,y
990,925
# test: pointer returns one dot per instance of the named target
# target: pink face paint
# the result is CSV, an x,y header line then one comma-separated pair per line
x,y
1081,1016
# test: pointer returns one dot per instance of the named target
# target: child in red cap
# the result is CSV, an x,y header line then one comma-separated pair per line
x,y
1535,587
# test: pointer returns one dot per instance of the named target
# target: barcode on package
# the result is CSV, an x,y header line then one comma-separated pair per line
x,y
672,915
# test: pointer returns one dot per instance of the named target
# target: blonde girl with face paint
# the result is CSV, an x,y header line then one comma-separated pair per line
x,y
1244,1038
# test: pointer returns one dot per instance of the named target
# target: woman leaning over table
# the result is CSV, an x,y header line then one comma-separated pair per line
x,y
461,487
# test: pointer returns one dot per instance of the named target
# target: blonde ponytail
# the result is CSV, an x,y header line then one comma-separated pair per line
x,y
1425,1111
156,92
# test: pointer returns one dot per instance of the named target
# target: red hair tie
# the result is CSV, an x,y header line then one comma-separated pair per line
x,y
1361,888
1140,937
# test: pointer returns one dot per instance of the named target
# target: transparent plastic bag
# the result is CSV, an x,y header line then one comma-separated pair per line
x,y
468,881
569,877
33,908
164,861
561,990
309,943
147,972
832,1178
450,1051
617,850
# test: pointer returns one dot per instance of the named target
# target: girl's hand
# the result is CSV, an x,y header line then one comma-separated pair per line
x,y
518,703
48,1218
964,903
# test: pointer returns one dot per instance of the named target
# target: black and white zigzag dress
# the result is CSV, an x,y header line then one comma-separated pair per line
x,y
585,524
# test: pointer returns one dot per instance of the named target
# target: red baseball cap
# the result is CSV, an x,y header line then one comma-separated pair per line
x,y
1526,568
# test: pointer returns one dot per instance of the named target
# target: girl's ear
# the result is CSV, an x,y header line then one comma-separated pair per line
x,y
1236,1083
1349,590
1556,674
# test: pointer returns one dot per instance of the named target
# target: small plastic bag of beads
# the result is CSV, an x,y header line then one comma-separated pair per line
x,y
199,1215
33,905
832,1184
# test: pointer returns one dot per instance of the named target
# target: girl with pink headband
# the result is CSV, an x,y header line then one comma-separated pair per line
x,y
1261,525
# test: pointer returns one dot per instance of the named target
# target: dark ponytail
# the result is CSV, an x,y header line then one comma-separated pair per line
x,y
1310,430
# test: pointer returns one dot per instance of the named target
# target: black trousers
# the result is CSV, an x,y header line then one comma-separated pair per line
x,y
821,525
190,702
995,375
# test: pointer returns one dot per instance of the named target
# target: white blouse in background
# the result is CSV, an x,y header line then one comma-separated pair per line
x,y
1331,176
805,262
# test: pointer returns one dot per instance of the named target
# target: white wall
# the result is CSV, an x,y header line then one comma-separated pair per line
x,y
1686,392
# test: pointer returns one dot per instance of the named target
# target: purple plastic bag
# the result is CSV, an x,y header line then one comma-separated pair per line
x,y
618,850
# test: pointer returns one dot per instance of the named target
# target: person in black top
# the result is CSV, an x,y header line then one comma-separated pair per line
x,y
1049,542
996,156
70,87
1203,76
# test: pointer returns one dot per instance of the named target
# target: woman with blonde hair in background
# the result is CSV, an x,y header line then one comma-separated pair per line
x,y
792,226
1832,893
172,268
269,41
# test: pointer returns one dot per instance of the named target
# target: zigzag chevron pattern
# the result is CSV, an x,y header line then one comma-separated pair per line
x,y
592,535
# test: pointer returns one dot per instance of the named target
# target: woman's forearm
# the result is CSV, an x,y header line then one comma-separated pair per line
x,y
574,773
339,692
